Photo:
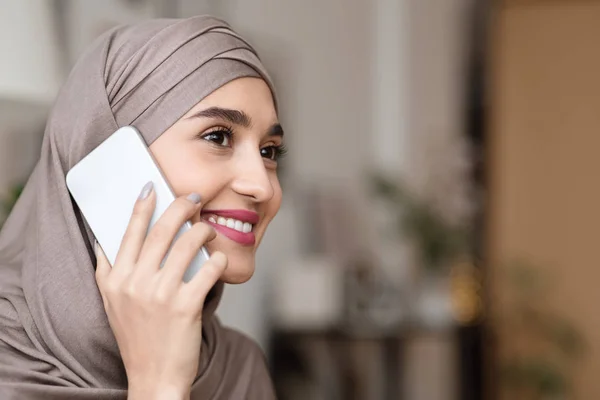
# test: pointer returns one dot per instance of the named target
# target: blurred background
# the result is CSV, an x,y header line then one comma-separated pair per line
x,y
438,236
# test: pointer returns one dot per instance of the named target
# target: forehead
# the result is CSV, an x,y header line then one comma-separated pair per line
x,y
251,95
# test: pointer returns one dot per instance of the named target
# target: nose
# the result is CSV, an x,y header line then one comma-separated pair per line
x,y
252,179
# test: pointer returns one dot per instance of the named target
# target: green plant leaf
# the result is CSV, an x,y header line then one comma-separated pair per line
x,y
537,374
566,337
438,242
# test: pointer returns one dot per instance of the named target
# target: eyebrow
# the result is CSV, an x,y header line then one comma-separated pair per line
x,y
236,117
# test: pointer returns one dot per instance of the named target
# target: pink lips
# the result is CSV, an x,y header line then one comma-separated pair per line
x,y
245,239
242,215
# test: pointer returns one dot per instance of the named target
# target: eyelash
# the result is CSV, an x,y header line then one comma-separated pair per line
x,y
280,150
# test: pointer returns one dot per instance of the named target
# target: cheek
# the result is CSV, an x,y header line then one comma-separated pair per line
x,y
186,171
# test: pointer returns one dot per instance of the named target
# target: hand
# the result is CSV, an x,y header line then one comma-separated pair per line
x,y
155,316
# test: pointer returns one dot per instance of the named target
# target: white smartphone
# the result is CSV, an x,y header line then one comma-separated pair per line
x,y
106,184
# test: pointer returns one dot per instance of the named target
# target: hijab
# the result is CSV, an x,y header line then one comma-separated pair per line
x,y
55,340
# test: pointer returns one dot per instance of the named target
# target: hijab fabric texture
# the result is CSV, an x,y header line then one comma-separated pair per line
x,y
55,340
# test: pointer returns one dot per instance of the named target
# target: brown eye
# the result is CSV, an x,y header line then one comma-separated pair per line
x,y
220,137
273,153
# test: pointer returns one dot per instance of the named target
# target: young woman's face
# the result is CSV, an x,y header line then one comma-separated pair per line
x,y
226,149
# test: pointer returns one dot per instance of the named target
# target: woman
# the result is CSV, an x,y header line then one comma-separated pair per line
x,y
72,326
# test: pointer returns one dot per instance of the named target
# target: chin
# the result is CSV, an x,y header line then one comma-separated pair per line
x,y
238,272
240,260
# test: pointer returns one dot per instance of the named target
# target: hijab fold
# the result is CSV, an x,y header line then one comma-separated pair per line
x,y
55,340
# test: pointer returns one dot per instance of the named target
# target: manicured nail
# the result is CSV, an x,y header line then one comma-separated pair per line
x,y
194,198
146,190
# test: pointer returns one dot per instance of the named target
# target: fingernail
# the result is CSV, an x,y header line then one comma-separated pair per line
x,y
146,190
194,198
96,246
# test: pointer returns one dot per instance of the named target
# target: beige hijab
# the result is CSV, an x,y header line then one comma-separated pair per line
x,y
55,341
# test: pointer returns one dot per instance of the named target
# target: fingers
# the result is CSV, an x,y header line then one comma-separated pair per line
x,y
161,235
182,253
135,234
196,290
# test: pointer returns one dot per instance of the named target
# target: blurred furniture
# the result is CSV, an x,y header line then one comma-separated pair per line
x,y
343,328
337,365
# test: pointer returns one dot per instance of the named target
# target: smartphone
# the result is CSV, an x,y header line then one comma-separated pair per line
x,y
106,184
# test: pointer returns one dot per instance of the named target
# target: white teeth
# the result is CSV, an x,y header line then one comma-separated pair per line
x,y
247,227
239,225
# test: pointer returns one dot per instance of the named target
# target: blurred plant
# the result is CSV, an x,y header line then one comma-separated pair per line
x,y
544,345
439,242
7,204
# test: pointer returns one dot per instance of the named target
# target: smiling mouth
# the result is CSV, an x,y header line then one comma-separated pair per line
x,y
236,225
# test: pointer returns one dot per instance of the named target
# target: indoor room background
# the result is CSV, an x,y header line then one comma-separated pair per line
x,y
438,233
